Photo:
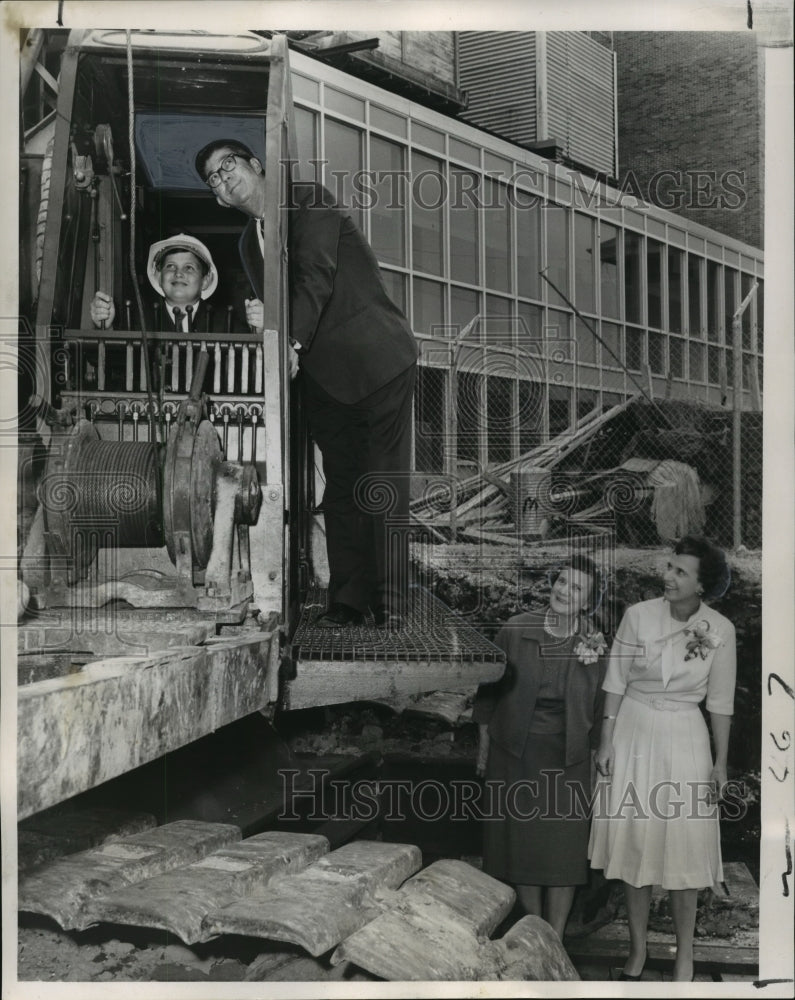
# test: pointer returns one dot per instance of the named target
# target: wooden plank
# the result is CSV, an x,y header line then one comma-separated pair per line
x,y
180,900
321,906
328,682
116,714
612,947
63,889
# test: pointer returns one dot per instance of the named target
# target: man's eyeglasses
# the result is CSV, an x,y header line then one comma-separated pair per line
x,y
228,164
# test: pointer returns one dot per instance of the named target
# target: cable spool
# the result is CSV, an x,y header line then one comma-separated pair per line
x,y
96,492
118,483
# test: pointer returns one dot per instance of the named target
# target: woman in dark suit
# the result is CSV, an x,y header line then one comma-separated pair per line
x,y
537,729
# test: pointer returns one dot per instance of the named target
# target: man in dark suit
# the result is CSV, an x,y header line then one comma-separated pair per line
x,y
357,357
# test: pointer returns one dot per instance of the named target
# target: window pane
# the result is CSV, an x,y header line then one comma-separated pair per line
x,y
696,362
501,417
728,356
428,193
497,233
305,88
657,353
559,409
633,263
528,251
463,151
498,327
464,307
584,263
388,122
747,283
531,335
464,244
730,301
612,354
425,136
344,155
654,252
396,287
713,365
634,348
675,290
586,402
306,141
470,405
429,419
714,303
608,264
694,296
428,306
531,413
345,104
676,359
558,334
557,252
388,212
586,344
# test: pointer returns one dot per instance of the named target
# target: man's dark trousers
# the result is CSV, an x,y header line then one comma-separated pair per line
x,y
366,449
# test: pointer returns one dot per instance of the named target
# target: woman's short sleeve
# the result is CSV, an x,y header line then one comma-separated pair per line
x,y
723,673
622,652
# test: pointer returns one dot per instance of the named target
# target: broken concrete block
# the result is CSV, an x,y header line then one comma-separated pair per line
x,y
319,907
62,890
179,900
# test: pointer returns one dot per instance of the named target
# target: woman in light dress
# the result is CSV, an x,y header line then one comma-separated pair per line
x,y
656,814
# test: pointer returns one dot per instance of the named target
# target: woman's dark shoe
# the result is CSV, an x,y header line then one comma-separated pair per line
x,y
339,615
625,977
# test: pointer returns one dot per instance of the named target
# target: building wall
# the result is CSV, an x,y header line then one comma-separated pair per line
x,y
468,227
692,101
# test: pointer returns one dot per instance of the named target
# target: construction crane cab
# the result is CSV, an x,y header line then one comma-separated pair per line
x,y
168,489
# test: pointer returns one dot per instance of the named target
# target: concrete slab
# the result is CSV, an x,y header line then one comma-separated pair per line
x,y
324,904
179,900
63,889
77,731
481,900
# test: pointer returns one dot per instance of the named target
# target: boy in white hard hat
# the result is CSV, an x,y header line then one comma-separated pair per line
x,y
181,270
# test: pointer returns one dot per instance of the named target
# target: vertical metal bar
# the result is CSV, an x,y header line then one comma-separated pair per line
x,y
128,380
175,366
244,369
737,405
231,354
217,369
52,234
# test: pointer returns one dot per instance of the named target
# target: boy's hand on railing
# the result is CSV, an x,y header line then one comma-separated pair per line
x,y
255,315
102,309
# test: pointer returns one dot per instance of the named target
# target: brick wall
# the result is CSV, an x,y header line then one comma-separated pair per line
x,y
692,101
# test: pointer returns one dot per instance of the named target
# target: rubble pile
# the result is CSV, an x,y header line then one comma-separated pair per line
x,y
650,471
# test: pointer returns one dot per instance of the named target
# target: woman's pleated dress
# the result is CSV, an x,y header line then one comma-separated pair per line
x,y
653,824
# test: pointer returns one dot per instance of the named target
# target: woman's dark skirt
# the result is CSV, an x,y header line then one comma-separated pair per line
x,y
538,833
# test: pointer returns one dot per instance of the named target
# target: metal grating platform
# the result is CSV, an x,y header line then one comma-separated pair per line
x,y
433,633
